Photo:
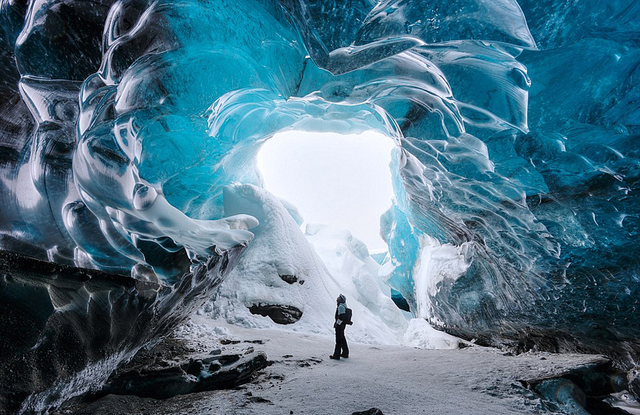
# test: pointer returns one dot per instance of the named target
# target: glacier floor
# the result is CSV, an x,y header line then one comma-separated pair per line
x,y
395,379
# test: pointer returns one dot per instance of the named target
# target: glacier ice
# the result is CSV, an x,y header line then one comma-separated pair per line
x,y
516,125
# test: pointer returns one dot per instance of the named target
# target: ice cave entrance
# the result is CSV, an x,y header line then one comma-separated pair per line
x,y
339,180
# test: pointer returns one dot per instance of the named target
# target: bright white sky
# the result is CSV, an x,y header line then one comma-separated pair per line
x,y
333,179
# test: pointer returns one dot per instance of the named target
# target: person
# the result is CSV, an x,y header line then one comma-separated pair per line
x,y
342,318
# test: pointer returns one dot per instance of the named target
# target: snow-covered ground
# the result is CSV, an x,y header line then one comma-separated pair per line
x,y
395,379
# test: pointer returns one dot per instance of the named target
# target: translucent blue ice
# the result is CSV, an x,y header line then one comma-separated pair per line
x,y
517,125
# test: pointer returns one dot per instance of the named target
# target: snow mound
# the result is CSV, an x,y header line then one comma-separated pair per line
x,y
282,273
421,335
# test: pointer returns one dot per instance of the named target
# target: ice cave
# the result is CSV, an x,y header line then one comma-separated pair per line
x,y
141,223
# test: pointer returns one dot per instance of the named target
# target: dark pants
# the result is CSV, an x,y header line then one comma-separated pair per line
x,y
341,343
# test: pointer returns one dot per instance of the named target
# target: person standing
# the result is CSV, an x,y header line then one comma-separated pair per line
x,y
342,318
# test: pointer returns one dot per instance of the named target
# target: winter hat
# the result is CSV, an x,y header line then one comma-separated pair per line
x,y
342,299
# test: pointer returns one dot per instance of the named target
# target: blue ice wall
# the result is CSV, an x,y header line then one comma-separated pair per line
x,y
517,126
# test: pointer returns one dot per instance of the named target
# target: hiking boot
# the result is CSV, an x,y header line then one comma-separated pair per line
x,y
346,356
334,357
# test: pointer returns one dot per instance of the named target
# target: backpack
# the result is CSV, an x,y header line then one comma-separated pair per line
x,y
347,316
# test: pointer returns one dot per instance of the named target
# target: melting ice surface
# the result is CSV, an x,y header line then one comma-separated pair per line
x,y
516,123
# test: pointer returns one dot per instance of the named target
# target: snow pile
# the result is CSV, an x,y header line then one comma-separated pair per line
x,y
282,269
421,335
350,264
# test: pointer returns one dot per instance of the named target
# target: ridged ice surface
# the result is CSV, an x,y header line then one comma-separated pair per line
x,y
517,127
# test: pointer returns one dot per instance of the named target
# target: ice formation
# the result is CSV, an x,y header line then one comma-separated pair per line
x,y
301,275
516,122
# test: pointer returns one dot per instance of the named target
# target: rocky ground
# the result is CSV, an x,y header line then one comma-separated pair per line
x,y
299,378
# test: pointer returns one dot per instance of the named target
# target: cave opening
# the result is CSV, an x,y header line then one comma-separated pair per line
x,y
340,180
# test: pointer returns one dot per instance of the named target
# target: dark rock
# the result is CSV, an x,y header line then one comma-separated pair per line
x,y
228,341
281,314
372,411
585,388
152,380
258,399
289,279
634,382
564,394
60,320
225,359
593,378
215,352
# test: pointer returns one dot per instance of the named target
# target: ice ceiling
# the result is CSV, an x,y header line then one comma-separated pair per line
x,y
122,122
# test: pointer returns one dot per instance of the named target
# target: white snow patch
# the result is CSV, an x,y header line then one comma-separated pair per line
x,y
349,263
420,334
436,263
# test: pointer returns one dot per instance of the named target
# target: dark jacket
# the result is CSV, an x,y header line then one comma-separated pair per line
x,y
342,317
